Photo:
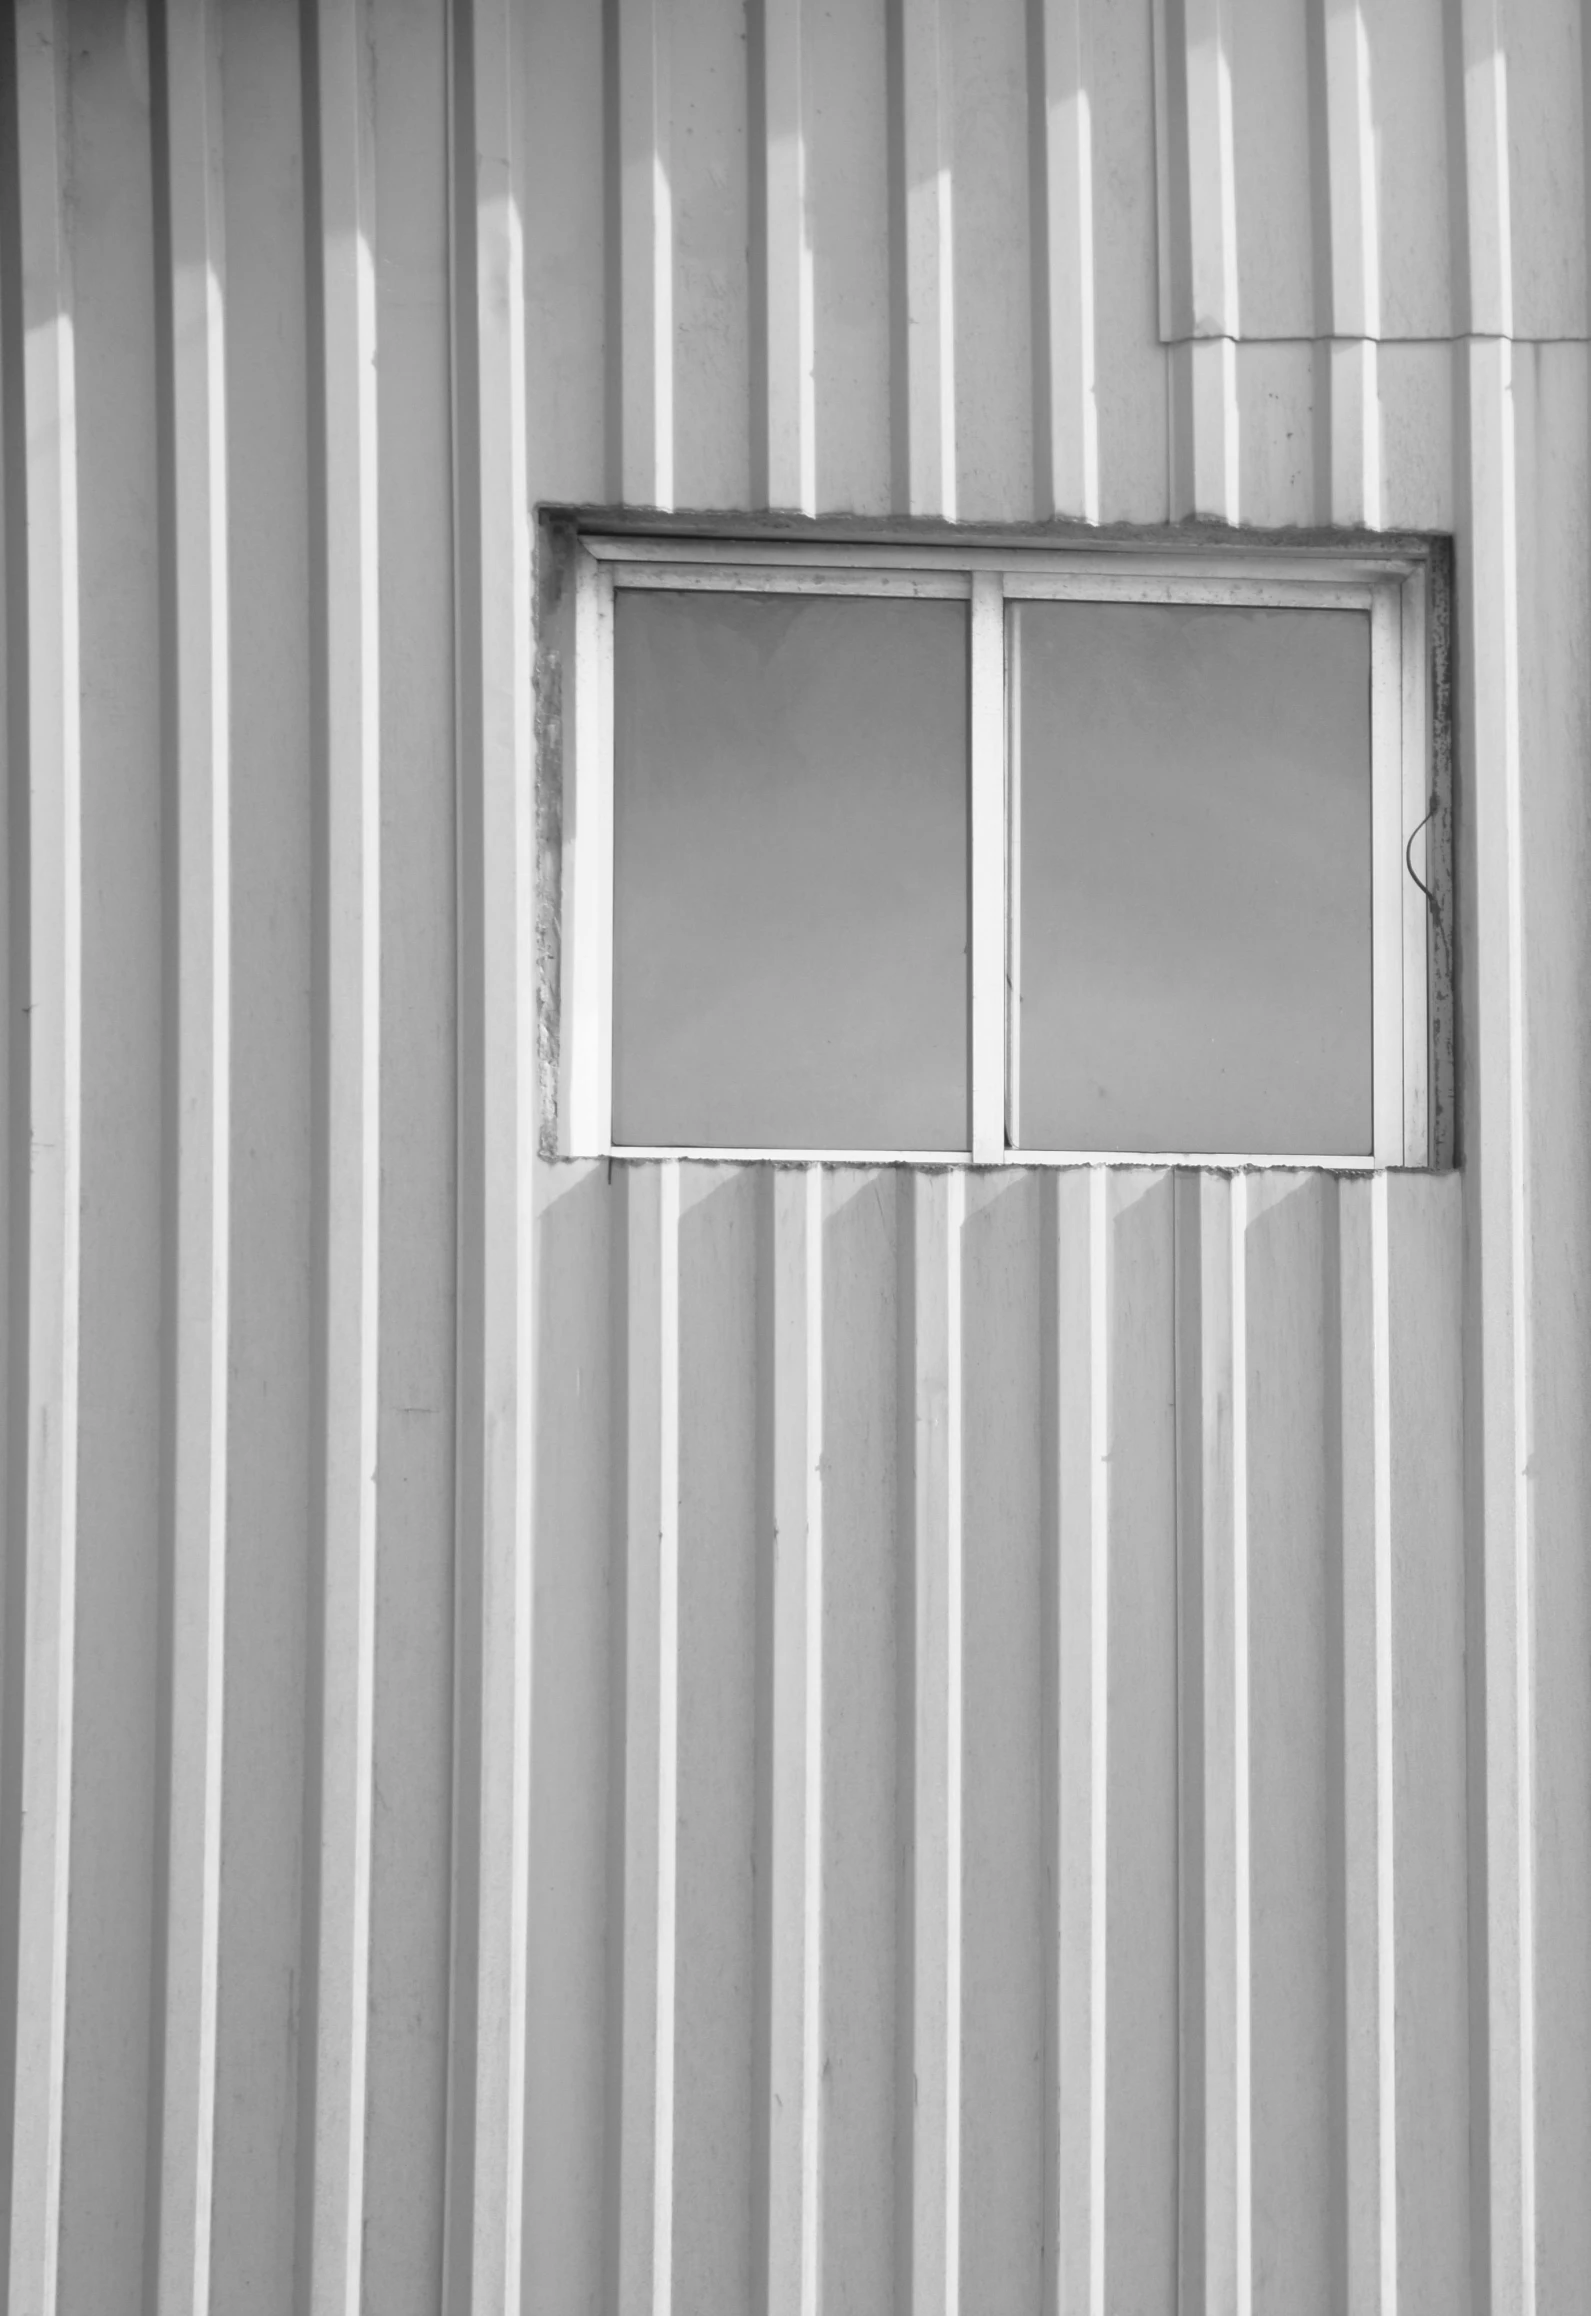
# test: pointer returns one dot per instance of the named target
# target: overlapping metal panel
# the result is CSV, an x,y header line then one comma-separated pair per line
x,y
704,1737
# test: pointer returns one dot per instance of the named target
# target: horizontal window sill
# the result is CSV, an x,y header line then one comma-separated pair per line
x,y
1216,1161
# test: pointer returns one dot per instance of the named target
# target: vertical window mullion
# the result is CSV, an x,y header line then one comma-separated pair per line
x,y
1012,613
1416,783
987,934
1387,877
586,1025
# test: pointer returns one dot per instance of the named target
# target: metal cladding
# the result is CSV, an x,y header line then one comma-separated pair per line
x,y
675,1736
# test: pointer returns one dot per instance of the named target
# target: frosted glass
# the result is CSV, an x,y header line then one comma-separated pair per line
x,y
1195,865
790,872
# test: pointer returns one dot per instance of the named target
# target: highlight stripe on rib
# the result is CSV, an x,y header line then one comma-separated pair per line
x,y
1076,1306
789,449
1067,429
188,127
796,1717
642,2248
925,394
343,399
44,1323
646,257
497,1098
931,1415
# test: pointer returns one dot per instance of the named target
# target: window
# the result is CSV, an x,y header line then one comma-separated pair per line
x,y
940,851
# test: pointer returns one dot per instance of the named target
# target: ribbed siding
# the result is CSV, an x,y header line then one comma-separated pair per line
x,y
675,1737
1179,1423
45,1187
190,365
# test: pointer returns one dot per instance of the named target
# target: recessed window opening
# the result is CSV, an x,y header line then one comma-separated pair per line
x,y
994,856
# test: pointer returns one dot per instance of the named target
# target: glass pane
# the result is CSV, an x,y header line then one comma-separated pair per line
x,y
1195,863
790,872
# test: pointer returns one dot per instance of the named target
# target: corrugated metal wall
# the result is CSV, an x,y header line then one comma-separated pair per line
x,y
1127,1844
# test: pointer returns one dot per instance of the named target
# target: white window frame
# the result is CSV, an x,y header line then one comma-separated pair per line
x,y
1391,589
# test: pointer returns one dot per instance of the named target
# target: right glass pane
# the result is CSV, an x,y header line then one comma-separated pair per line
x,y
1195,851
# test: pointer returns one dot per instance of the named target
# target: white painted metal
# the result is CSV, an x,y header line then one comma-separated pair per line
x,y
1388,878
989,852
925,413
1353,299
1213,1555
1205,430
1400,1060
1369,1832
199,721
1416,1367
1077,1739
1498,1185
641,2234
45,1190
1418,931
1217,1161
803,579
1486,292
497,1099
585,1050
795,1833
1206,33
1013,882
662,1151
646,255
1215,562
337,1879
1068,421
930,2028
1352,386
1186,587
1198,257
1352,197
790,446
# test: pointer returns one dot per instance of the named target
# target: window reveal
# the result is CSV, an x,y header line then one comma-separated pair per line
x,y
917,853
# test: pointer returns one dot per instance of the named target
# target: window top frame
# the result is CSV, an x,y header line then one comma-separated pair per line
x,y
1357,562
1389,581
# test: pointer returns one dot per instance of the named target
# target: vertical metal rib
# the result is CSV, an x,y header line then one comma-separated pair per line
x,y
1066,427
187,126
641,2233
646,256
793,1798
1497,1298
1348,237
923,261
1363,1716
1075,1351
340,223
1500,1508
1198,251
46,1094
497,1130
783,435
930,1417
1212,1553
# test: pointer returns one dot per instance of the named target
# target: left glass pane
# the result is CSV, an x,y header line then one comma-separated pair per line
x,y
790,838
